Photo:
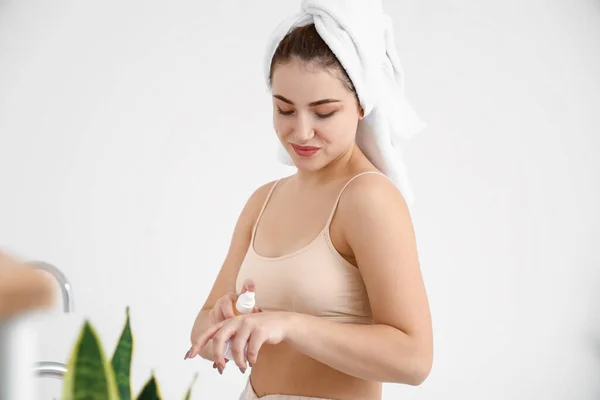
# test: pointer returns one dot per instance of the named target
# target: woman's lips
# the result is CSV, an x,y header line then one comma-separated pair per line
x,y
305,151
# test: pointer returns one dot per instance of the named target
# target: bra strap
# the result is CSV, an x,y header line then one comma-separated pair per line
x,y
262,210
337,200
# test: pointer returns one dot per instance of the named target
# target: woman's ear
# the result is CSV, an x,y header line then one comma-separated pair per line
x,y
361,112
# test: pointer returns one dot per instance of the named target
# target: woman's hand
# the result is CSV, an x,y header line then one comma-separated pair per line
x,y
253,330
222,311
223,308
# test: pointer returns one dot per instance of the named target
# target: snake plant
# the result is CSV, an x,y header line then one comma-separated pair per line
x,y
91,376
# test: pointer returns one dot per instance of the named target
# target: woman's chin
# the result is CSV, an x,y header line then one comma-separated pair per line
x,y
308,165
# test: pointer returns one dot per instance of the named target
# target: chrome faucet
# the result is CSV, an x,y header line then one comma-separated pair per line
x,y
65,286
51,369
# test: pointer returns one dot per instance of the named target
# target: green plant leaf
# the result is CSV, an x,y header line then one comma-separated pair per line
x,y
89,375
121,360
188,395
151,390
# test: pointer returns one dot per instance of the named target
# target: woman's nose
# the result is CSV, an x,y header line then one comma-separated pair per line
x,y
303,131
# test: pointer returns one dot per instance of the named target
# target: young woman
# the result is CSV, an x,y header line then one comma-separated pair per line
x,y
329,251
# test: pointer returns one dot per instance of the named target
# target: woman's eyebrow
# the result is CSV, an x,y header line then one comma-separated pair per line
x,y
314,103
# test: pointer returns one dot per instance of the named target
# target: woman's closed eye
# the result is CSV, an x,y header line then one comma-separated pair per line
x,y
319,115
326,110
284,112
323,116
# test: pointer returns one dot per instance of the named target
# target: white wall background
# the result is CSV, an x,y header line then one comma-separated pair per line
x,y
132,133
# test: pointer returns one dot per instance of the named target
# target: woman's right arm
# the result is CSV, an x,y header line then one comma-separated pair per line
x,y
224,285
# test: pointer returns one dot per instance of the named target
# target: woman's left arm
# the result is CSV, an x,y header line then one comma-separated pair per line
x,y
398,347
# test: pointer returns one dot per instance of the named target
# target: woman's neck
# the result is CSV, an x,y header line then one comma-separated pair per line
x,y
335,170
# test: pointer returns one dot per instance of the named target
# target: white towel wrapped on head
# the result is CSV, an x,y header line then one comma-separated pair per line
x,y
361,36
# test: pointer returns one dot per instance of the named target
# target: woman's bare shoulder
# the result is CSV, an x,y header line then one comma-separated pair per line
x,y
258,198
373,195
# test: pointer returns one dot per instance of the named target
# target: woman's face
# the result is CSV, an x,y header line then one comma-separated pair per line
x,y
314,114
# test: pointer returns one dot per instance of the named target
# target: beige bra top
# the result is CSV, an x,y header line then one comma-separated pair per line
x,y
313,280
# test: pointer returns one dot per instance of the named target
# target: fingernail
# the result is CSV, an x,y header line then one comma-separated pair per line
x,y
250,364
214,365
251,286
243,370
187,355
220,369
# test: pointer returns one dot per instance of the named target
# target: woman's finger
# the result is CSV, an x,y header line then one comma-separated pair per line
x,y
203,339
215,364
217,313
257,339
219,339
238,344
226,308
248,285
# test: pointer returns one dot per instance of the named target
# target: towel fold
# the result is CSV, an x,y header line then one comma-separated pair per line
x,y
361,36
